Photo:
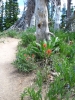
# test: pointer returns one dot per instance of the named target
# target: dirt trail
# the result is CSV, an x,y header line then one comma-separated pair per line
x,y
12,83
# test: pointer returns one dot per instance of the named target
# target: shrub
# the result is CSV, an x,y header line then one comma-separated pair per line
x,y
24,62
28,37
34,95
39,50
61,50
11,33
31,30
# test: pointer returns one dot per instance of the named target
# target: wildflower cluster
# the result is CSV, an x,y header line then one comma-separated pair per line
x,y
44,45
47,50
27,57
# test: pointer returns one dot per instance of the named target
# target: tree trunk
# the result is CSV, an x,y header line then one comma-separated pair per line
x,y
57,14
70,26
32,22
68,8
25,20
68,14
41,13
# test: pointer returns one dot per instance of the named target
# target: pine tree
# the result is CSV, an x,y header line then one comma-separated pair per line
x,y
1,15
69,8
11,12
15,10
6,17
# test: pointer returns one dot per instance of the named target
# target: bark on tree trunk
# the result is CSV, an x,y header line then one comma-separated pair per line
x,y
25,20
68,13
70,26
41,13
32,23
68,8
57,14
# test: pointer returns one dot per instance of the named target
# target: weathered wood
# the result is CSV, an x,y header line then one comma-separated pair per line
x,y
57,4
68,8
24,22
41,14
70,23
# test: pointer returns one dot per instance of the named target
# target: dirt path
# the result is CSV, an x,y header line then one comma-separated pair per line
x,y
12,83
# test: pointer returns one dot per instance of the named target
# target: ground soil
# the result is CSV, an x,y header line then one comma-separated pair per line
x,y
12,82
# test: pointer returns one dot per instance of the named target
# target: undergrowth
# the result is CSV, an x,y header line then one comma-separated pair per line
x,y
57,55
62,55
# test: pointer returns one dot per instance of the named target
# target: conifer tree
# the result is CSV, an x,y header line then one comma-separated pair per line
x,y
1,15
11,12
15,10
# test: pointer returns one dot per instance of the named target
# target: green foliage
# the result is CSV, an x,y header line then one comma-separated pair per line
x,y
56,89
43,49
11,13
11,33
24,62
8,13
34,95
38,50
39,79
24,59
28,36
31,30
63,58
1,15
1,34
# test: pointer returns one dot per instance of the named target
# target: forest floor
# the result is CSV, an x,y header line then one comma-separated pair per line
x,y
12,82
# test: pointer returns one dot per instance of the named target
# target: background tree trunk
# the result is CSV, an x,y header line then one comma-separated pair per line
x,y
32,22
1,15
57,14
70,17
70,26
25,20
68,8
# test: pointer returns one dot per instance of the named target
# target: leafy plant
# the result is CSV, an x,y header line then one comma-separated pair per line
x,y
61,50
32,92
40,50
28,37
34,95
11,33
24,62
31,30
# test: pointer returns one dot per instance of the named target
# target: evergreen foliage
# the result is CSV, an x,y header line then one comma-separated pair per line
x,y
8,13
1,15
11,12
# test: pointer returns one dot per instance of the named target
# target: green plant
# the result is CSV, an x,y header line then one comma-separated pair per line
x,y
32,92
31,30
56,89
61,50
24,62
11,33
40,50
65,81
2,34
28,37
34,95
39,79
